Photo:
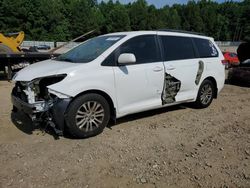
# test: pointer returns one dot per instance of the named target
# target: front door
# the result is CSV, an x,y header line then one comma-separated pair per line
x,y
139,86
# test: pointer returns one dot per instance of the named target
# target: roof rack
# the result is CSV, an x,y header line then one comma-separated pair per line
x,y
181,31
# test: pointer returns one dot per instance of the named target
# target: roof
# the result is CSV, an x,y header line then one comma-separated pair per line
x,y
164,31
182,31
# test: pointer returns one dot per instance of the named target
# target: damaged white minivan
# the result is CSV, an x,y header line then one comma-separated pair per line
x,y
117,74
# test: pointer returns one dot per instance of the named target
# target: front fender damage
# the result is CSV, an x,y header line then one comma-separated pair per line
x,y
58,112
43,105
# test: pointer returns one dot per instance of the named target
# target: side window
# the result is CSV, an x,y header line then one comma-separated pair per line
x,y
110,60
177,48
205,48
144,48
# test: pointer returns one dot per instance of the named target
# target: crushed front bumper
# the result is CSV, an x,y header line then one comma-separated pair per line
x,y
53,114
27,108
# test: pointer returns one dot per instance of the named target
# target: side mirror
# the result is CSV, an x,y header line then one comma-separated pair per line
x,y
126,58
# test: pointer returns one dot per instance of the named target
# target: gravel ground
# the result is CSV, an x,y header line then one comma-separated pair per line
x,y
172,147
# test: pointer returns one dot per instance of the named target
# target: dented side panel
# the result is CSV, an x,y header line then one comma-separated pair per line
x,y
199,72
180,80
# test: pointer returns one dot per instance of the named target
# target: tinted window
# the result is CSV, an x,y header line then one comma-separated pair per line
x,y
205,48
177,48
144,48
111,59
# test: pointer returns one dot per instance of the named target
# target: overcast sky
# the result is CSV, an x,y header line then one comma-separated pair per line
x,y
161,3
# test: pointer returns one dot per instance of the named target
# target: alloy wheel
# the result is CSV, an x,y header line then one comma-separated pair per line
x,y
89,116
206,94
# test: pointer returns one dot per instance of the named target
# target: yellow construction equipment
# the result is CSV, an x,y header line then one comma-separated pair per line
x,y
12,56
11,42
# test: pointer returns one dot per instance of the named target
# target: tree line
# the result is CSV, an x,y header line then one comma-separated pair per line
x,y
62,20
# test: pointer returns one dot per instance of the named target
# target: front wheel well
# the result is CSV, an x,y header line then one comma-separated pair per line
x,y
210,78
106,96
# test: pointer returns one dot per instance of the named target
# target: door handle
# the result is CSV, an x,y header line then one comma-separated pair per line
x,y
170,67
158,69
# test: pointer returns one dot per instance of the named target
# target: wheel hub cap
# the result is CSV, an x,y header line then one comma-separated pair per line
x,y
206,94
89,116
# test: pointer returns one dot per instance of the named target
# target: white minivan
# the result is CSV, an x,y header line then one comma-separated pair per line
x,y
117,74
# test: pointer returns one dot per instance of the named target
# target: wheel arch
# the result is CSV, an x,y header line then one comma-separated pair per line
x,y
106,96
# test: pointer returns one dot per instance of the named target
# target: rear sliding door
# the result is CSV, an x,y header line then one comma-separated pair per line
x,y
181,69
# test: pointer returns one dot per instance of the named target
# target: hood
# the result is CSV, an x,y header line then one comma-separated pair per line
x,y
43,69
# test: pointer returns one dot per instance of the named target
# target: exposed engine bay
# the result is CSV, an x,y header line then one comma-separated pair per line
x,y
171,88
38,101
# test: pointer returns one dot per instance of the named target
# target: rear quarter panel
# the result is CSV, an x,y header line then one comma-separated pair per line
x,y
215,68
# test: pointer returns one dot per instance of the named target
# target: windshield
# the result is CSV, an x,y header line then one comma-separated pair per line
x,y
89,50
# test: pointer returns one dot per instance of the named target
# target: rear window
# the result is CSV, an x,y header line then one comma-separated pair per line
x,y
177,48
205,48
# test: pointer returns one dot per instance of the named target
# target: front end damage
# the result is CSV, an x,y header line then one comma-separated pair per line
x,y
41,104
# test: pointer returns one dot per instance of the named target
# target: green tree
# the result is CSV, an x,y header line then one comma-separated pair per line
x,y
245,21
153,18
116,17
170,18
65,19
119,18
192,18
138,12
232,11
84,17
174,19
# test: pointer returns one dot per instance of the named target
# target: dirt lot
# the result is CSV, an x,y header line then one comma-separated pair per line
x,y
172,147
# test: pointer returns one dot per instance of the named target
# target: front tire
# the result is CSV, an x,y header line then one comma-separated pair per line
x,y
205,95
87,115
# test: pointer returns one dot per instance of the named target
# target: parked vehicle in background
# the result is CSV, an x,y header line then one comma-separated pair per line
x,y
13,57
39,47
241,74
43,47
113,75
231,59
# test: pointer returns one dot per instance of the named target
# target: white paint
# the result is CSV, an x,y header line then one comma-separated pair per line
x,y
132,88
126,58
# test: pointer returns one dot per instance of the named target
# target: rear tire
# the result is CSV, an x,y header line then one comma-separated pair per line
x,y
205,95
87,115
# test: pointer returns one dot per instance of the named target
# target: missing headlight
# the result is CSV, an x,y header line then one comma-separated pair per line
x,y
44,82
36,90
